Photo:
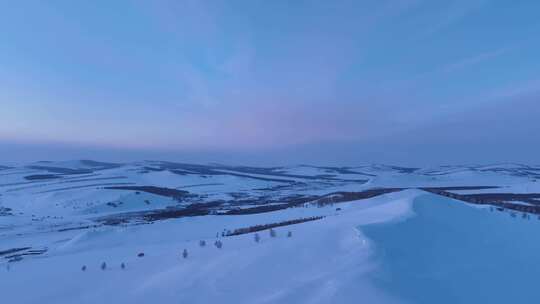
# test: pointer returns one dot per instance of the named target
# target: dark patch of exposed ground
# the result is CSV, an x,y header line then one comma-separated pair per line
x,y
458,188
12,250
346,170
405,170
17,254
69,180
94,166
42,177
60,170
275,174
5,211
84,186
163,191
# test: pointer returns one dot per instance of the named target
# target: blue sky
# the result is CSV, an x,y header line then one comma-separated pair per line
x,y
263,82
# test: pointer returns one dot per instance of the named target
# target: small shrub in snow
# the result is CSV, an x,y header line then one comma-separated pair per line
x,y
123,266
202,243
218,244
257,238
83,268
289,234
140,254
273,233
185,254
103,266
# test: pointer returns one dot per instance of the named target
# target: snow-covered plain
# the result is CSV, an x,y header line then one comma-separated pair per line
x,y
52,224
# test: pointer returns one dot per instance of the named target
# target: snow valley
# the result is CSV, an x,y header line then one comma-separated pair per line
x,y
92,232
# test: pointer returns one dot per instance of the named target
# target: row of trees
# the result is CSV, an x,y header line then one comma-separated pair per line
x,y
258,228
273,234
104,266
524,215
202,243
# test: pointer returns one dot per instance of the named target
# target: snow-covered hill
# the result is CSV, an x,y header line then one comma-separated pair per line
x,y
57,218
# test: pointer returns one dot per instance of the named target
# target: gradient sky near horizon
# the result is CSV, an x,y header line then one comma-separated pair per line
x,y
337,82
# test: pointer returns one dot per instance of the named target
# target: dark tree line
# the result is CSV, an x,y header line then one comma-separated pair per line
x,y
500,201
272,225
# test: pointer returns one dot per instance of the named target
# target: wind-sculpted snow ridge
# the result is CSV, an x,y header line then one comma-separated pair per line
x,y
467,255
162,231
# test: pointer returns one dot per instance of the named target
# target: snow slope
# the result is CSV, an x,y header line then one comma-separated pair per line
x,y
468,255
399,247
325,261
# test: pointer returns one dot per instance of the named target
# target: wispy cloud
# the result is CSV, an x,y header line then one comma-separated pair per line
x,y
456,11
521,89
475,59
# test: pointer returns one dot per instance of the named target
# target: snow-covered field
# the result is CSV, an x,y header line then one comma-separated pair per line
x,y
354,233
